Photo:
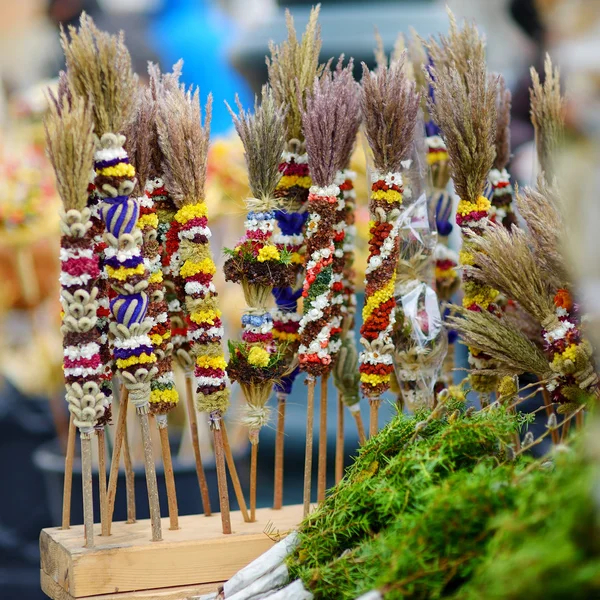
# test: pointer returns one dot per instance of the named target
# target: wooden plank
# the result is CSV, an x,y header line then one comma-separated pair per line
x,y
128,560
54,591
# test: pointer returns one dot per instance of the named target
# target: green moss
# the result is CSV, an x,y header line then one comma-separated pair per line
x,y
432,508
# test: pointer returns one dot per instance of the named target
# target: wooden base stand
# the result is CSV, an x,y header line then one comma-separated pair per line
x,y
195,559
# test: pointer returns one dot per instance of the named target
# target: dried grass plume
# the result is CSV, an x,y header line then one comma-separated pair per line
x,y
465,111
330,119
389,103
184,142
547,114
99,68
503,106
294,65
70,146
263,135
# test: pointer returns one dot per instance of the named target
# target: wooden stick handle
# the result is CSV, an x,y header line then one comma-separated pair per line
x,y
129,477
310,410
222,478
339,442
279,444
374,417
68,481
237,486
169,475
322,462
100,435
114,464
86,480
253,474
150,474
193,421
360,427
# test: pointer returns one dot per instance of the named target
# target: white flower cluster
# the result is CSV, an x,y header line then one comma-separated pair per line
x,y
263,225
66,254
195,287
106,154
559,332
329,191
122,255
318,255
288,240
442,252
312,225
299,159
192,232
285,317
316,310
67,280
135,341
153,184
196,334
495,176
319,345
265,328
85,351
436,142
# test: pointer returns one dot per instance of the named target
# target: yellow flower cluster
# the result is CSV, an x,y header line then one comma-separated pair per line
x,y
445,273
150,220
156,277
143,359
158,339
190,268
284,336
465,207
288,181
482,296
205,316
211,362
168,396
123,273
436,157
466,258
379,297
191,211
258,357
297,258
373,379
120,170
268,252
389,196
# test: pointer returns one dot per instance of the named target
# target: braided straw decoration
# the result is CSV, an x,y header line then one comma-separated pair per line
x,y
163,395
83,367
379,310
128,276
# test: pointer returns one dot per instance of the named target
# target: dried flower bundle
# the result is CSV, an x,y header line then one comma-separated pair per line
x,y
293,66
184,140
390,104
99,67
547,114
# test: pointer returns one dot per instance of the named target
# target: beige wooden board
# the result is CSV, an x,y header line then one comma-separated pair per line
x,y
197,553
53,590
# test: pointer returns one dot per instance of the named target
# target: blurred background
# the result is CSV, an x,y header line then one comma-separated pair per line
x,y
223,44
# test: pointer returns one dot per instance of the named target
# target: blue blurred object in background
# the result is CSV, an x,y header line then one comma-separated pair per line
x,y
200,33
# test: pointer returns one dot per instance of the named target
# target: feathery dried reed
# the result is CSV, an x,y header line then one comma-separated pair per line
x,y
547,115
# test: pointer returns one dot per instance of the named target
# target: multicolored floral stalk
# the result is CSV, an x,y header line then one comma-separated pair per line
x,y
293,65
180,128
259,266
465,110
387,91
